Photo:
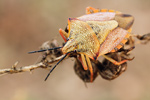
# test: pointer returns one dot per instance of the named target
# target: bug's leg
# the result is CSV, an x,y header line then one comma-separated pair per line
x,y
114,61
130,42
63,34
90,67
83,61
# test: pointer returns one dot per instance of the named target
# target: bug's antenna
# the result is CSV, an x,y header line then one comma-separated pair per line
x,y
56,65
44,50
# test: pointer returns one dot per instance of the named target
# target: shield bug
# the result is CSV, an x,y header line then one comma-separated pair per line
x,y
93,35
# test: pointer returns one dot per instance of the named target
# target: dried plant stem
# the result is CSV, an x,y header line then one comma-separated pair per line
x,y
21,69
14,69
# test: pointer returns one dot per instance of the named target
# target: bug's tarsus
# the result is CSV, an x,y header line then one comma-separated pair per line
x,y
56,65
44,50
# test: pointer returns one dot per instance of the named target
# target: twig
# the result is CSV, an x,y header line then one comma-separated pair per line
x,y
14,69
21,69
48,59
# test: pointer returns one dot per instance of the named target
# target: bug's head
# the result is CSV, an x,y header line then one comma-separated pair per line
x,y
69,46
66,52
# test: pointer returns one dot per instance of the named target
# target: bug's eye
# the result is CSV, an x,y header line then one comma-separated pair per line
x,y
67,39
75,51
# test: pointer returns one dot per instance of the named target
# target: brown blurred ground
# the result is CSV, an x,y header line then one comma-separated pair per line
x,y
26,24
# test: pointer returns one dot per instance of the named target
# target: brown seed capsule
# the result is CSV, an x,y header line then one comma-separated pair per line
x,y
50,54
85,74
108,70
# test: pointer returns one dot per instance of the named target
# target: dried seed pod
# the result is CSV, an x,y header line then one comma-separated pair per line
x,y
85,75
108,70
145,38
51,44
50,54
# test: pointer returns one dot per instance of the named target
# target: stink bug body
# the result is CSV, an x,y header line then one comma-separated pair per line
x,y
95,34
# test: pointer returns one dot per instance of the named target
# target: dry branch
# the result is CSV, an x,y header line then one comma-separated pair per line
x,y
48,59
15,69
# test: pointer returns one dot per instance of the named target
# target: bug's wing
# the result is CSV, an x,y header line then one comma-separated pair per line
x,y
102,28
100,16
82,38
115,40
125,21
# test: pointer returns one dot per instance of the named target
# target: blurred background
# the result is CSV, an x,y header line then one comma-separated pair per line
x,y
26,24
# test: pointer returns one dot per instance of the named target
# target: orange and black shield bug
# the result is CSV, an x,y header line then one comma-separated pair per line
x,y
96,34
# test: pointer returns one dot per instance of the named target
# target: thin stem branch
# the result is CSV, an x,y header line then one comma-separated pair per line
x,y
15,69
